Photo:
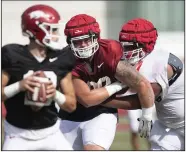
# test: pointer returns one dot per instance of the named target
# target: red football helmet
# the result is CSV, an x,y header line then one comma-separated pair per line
x,y
82,33
41,22
138,37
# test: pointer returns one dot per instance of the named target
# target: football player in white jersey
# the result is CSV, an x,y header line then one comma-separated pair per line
x,y
165,72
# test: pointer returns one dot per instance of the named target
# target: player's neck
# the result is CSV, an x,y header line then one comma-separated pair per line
x,y
37,50
89,60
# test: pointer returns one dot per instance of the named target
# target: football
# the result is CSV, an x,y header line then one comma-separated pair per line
x,y
39,95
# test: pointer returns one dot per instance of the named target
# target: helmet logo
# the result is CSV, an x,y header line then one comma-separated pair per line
x,y
78,31
124,36
38,14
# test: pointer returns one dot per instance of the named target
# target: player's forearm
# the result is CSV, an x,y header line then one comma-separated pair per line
x,y
71,102
146,94
65,101
126,103
94,97
3,95
10,90
97,96
128,75
5,79
69,99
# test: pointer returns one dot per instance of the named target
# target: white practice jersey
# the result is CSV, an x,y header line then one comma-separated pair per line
x,y
170,110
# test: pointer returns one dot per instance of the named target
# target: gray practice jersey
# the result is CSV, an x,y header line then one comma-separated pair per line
x,y
170,110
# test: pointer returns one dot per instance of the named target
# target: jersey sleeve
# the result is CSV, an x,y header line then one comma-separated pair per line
x,y
6,58
80,71
67,62
116,53
155,71
71,61
160,77
76,71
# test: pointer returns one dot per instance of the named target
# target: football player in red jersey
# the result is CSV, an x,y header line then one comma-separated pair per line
x,y
99,65
25,128
165,73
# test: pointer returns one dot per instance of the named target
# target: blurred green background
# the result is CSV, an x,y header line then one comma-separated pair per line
x,y
167,16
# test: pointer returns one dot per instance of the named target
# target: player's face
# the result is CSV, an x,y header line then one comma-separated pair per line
x,y
133,52
52,36
82,43
84,46
54,32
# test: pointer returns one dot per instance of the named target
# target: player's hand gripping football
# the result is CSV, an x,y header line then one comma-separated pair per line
x,y
29,83
47,89
145,122
50,90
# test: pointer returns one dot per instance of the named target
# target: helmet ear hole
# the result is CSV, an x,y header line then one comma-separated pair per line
x,y
32,38
68,40
150,42
91,32
96,35
134,40
142,45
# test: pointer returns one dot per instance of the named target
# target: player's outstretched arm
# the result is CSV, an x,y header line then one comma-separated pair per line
x,y
67,99
129,102
129,76
96,96
132,78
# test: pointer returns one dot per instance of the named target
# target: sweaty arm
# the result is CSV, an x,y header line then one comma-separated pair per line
x,y
67,99
133,79
127,103
93,97
128,75
133,102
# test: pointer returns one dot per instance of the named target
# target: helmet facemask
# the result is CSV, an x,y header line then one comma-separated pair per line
x,y
52,38
133,52
90,43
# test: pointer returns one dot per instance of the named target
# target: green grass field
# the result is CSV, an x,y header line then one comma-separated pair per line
x,y
122,142
122,138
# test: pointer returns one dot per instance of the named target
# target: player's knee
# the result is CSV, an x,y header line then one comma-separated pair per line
x,y
93,147
134,134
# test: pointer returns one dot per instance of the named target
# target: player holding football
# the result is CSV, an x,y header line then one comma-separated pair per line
x,y
99,64
165,72
30,124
